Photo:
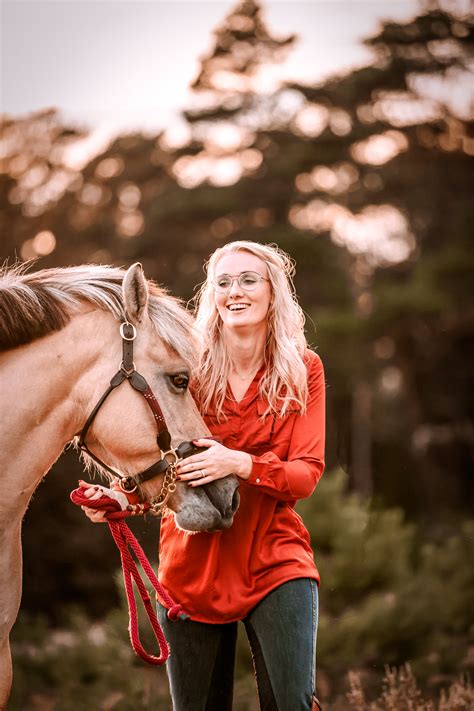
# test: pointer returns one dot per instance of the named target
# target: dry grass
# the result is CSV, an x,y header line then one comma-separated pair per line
x,y
400,693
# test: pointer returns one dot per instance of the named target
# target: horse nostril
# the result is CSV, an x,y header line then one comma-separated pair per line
x,y
235,501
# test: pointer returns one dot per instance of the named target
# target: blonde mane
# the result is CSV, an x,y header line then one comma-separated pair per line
x,y
284,384
35,304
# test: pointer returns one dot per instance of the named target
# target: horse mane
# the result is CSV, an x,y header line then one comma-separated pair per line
x,y
35,304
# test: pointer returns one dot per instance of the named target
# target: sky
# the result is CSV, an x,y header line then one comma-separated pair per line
x,y
119,66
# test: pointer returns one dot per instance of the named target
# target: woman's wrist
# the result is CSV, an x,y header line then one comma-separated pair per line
x,y
245,464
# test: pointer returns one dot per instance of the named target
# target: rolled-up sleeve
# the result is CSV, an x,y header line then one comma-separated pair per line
x,y
296,477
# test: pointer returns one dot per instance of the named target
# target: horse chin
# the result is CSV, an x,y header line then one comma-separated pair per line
x,y
207,508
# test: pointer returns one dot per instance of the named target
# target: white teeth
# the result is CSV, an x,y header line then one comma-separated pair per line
x,y
237,307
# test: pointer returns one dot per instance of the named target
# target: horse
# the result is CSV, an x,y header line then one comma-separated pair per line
x,y
63,334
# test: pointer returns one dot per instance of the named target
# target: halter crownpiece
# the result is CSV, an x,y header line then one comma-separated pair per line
x,y
169,455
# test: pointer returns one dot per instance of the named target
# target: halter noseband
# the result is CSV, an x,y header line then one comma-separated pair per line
x,y
169,455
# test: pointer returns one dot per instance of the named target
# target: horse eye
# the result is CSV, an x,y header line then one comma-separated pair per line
x,y
180,380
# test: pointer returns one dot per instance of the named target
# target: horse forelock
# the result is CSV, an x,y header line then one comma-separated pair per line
x,y
36,304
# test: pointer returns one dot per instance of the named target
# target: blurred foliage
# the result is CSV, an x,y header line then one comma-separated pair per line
x,y
388,595
401,693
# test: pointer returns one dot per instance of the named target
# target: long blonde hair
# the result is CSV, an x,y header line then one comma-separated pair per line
x,y
284,384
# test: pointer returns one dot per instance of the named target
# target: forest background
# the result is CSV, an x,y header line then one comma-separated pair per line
x,y
366,180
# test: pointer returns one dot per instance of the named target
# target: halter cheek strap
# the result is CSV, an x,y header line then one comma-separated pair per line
x,y
169,456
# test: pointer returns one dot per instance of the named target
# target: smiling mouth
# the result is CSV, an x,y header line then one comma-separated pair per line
x,y
235,308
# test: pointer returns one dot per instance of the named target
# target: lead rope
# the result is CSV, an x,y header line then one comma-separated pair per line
x,y
126,541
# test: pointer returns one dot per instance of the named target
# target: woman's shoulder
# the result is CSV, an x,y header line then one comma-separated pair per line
x,y
312,361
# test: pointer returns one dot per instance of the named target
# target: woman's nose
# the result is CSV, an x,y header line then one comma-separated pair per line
x,y
235,289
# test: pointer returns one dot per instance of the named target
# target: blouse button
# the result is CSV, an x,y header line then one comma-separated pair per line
x,y
257,481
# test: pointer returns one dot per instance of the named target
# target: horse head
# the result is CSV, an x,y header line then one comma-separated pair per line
x,y
141,431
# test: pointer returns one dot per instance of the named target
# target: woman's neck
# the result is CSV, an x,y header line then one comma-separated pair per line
x,y
246,350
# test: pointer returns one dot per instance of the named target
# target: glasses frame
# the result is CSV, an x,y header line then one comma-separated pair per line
x,y
237,278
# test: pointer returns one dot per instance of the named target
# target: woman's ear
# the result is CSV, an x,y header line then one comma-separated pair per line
x,y
135,293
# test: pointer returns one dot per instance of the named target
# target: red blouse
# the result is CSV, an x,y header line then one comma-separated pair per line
x,y
220,576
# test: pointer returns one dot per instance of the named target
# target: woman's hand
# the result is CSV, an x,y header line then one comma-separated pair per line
x,y
96,492
216,462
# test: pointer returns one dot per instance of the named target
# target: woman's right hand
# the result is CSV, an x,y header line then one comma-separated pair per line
x,y
96,491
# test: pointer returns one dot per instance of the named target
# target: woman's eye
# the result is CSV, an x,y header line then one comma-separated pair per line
x,y
249,280
223,283
180,381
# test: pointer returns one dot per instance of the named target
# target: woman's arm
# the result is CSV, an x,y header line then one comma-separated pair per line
x,y
297,477
287,480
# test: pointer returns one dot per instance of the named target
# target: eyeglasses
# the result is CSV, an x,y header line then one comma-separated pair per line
x,y
248,281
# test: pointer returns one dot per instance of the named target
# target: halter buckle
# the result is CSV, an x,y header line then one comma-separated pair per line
x,y
134,331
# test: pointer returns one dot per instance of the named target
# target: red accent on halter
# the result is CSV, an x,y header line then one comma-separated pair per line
x,y
125,541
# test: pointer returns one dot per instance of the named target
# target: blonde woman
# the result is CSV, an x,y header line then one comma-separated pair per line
x,y
262,393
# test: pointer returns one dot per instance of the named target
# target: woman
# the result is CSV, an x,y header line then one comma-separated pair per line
x,y
261,392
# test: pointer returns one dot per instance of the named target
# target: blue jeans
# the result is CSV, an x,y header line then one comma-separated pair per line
x,y
281,631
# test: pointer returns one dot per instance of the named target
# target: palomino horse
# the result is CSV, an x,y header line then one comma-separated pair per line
x,y
63,335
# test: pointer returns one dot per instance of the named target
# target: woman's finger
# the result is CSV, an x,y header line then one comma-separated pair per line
x,y
205,442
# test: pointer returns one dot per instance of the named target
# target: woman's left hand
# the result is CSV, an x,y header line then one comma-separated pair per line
x,y
216,462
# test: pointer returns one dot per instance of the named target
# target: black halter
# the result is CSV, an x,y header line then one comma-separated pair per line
x,y
169,455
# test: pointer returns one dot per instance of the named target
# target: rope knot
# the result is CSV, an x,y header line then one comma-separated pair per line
x,y
175,612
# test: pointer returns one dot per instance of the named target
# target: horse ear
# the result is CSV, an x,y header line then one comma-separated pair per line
x,y
135,293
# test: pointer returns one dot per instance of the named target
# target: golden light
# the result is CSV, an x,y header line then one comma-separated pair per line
x,y
18,165
27,251
176,136
311,120
227,137
262,217
130,224
340,122
16,195
391,381
34,176
91,194
304,183
251,159
324,178
191,171
222,227
129,196
402,109
44,243
109,167
333,180
379,149
379,232
384,348
226,171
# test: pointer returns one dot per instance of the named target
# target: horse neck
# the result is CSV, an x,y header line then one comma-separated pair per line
x,y
46,388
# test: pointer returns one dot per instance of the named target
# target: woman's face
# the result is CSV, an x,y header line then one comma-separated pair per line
x,y
241,308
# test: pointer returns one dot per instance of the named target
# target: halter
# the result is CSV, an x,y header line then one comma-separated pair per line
x,y
169,455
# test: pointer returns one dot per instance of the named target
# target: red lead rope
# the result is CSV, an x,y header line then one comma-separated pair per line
x,y
126,542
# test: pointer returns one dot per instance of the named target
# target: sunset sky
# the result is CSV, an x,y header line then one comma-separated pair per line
x,y
120,66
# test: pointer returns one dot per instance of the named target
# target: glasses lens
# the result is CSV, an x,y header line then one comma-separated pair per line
x,y
249,280
223,283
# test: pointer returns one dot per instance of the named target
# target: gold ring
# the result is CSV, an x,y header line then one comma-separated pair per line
x,y
202,473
